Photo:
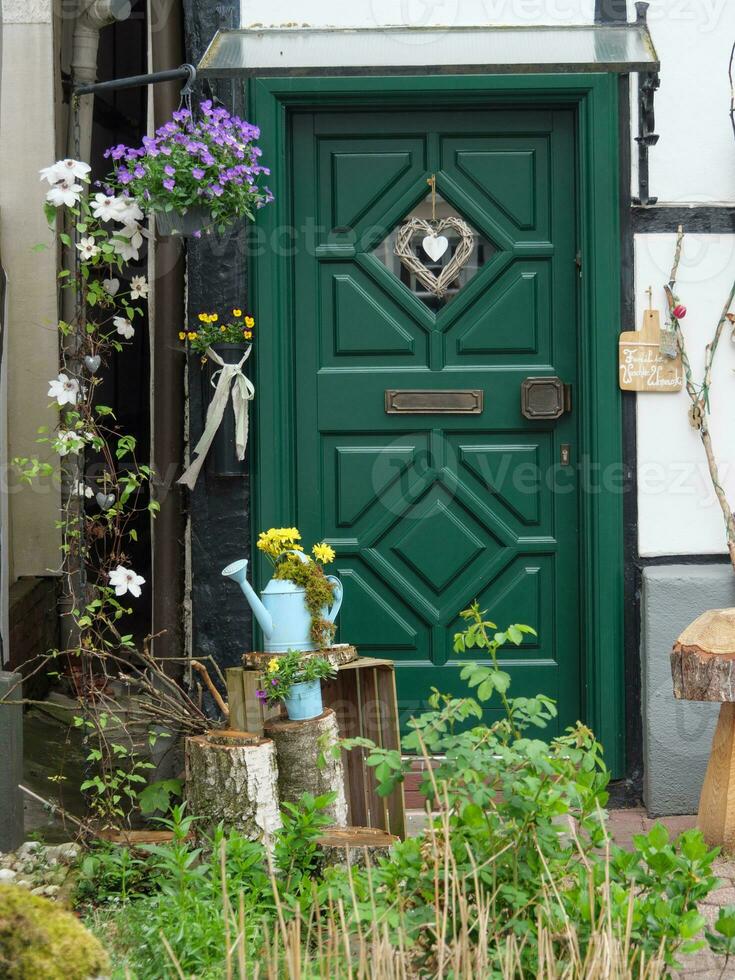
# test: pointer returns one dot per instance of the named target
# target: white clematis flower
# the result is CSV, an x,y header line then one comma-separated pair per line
x,y
128,211
64,192
124,327
128,240
68,442
122,209
82,490
64,389
87,248
65,170
125,580
138,288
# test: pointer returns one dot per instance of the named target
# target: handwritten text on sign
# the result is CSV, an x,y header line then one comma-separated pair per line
x,y
643,367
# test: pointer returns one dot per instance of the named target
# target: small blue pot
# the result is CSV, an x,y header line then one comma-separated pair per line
x,y
305,701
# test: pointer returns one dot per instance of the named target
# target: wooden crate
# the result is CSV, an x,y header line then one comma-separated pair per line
x,y
363,695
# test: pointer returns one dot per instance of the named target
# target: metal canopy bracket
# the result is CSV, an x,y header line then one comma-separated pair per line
x,y
186,72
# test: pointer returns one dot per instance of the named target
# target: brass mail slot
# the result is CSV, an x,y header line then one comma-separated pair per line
x,y
417,401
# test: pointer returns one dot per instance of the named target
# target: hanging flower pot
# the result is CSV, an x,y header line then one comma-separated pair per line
x,y
200,170
225,349
188,223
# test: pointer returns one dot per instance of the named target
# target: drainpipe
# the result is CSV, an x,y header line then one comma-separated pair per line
x,y
167,376
92,16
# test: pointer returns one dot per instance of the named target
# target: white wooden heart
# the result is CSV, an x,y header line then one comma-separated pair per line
x,y
404,249
111,286
435,246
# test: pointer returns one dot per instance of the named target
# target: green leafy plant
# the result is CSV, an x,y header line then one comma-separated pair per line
x,y
294,667
106,490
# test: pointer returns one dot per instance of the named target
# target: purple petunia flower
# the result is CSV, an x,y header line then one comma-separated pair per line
x,y
216,189
169,170
197,173
124,176
181,114
260,695
139,171
169,184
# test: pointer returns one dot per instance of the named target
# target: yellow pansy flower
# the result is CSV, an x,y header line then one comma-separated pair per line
x,y
202,317
323,553
213,318
250,322
192,335
273,665
222,328
182,335
237,312
247,334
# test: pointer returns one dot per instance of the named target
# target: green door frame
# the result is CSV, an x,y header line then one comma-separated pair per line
x,y
598,401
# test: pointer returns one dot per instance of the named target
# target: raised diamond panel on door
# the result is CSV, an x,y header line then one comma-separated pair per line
x,y
428,512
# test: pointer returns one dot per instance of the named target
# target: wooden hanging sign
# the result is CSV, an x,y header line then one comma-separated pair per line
x,y
643,366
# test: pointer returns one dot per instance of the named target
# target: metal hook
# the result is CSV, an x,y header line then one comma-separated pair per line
x,y
191,78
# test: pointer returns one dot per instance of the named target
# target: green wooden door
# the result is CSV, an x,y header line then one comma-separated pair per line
x,y
429,511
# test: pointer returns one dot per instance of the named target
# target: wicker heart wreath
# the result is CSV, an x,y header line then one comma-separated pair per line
x,y
405,252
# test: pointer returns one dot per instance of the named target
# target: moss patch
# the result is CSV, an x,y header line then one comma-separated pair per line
x,y
40,939
319,595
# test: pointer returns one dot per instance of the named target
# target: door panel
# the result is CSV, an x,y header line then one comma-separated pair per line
x,y
428,512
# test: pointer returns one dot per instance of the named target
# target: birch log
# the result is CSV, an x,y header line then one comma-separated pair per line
x,y
298,746
232,778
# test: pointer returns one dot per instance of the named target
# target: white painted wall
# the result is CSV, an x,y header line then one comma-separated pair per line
x,y
677,509
693,163
413,13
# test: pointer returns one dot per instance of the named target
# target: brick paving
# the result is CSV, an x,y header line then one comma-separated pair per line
x,y
702,965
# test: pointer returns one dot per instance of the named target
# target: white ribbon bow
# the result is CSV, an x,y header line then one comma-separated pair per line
x,y
228,377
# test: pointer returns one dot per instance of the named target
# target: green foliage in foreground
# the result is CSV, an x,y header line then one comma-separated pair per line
x,y
518,851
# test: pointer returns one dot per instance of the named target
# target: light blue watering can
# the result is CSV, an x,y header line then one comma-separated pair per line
x,y
283,615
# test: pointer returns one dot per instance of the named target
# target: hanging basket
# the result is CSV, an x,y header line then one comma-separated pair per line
x,y
222,457
184,223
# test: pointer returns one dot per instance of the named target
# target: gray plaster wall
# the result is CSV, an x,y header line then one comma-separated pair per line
x,y
677,735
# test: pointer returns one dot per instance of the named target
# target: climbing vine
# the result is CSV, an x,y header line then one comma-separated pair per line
x,y
699,392
105,488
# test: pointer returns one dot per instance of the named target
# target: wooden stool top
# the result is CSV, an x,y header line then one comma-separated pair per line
x,y
703,658
342,653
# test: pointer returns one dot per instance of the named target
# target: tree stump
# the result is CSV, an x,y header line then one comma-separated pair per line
x,y
298,746
703,669
355,846
232,778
